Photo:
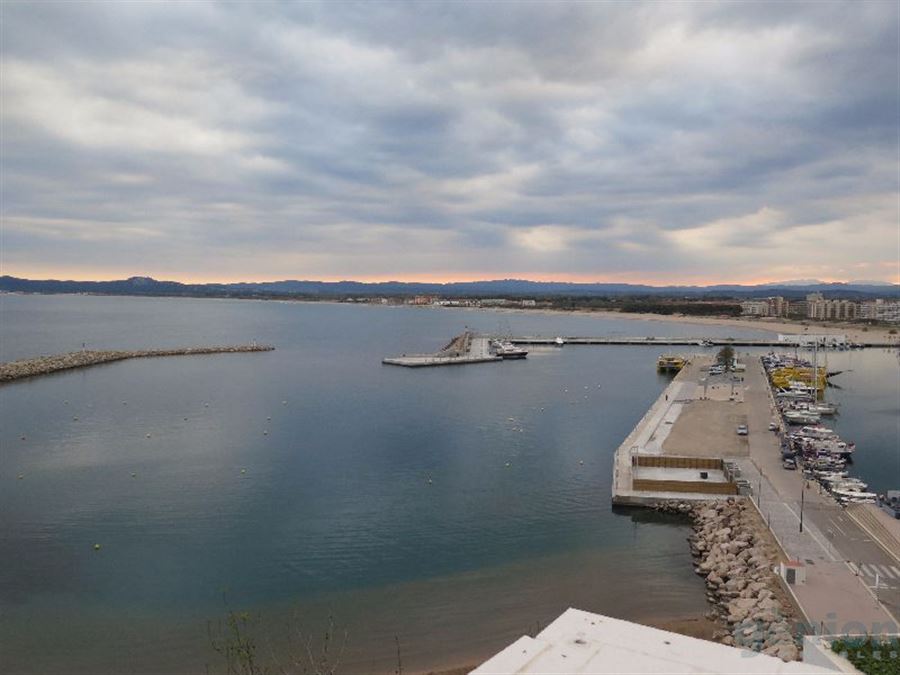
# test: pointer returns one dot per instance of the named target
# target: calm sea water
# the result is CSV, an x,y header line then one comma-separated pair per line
x,y
295,483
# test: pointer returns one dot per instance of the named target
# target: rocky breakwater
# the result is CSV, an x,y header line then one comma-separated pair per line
x,y
733,554
44,365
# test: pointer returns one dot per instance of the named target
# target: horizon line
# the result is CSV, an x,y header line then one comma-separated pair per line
x,y
562,279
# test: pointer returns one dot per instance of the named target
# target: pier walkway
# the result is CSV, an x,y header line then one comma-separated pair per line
x,y
683,341
463,349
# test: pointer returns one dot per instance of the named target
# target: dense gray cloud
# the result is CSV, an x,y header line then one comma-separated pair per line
x,y
620,141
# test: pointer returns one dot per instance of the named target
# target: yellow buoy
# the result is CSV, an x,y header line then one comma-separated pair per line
x,y
96,547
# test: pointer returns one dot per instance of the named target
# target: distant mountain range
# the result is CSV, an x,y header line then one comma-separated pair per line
x,y
482,289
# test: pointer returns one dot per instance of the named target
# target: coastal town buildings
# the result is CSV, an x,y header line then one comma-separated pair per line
x,y
818,307
774,306
880,310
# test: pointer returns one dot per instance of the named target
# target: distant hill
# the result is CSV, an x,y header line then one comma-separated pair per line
x,y
483,289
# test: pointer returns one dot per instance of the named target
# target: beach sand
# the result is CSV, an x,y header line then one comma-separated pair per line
x,y
854,332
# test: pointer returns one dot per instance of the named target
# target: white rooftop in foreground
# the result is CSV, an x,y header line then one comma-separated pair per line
x,y
582,642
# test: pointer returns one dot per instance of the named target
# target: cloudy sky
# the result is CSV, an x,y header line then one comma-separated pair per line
x,y
657,142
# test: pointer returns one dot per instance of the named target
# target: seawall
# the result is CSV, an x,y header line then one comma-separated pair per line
x,y
44,365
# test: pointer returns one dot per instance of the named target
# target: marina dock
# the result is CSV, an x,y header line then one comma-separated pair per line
x,y
44,365
686,450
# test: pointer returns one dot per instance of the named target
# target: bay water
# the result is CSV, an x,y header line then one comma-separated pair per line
x,y
446,510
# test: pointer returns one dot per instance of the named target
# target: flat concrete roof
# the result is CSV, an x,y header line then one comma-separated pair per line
x,y
582,642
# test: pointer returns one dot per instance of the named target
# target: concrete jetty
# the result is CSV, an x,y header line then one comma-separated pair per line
x,y
44,365
462,349
663,340
691,429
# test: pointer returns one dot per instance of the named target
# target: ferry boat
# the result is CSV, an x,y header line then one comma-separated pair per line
x,y
669,362
507,350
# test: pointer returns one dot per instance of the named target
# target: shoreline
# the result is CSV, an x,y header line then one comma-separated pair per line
x,y
854,332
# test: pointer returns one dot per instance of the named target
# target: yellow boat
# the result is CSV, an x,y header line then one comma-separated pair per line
x,y
669,362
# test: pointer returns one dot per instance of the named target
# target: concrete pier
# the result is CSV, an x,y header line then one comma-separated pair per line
x,y
461,350
44,365
655,341
695,418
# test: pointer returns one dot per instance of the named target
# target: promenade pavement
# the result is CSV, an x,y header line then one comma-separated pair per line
x,y
837,552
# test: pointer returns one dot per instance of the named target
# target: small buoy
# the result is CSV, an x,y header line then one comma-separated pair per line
x,y
124,402
268,419
74,419
507,464
96,547
429,481
65,402
185,419
265,433
581,461
243,470
148,435
23,437
284,403
133,474
20,476
206,405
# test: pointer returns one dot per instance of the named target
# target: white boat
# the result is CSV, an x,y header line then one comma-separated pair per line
x,y
816,432
792,394
854,496
800,417
818,408
559,342
507,350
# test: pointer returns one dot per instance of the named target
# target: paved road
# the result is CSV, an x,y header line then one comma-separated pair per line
x,y
839,555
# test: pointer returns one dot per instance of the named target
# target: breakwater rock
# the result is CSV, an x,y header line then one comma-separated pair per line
x,y
737,561
44,365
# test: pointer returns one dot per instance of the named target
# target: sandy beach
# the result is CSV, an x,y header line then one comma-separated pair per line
x,y
854,332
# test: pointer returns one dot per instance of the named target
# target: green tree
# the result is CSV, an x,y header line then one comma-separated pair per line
x,y
726,356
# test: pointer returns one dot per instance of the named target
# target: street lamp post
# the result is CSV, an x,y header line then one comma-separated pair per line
x,y
802,498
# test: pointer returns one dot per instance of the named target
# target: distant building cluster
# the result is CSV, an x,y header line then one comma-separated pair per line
x,y
436,301
817,307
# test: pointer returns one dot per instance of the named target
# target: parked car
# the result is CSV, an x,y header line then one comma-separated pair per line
x,y
773,426
789,464
742,430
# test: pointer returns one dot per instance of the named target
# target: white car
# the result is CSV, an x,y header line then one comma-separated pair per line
x,y
742,430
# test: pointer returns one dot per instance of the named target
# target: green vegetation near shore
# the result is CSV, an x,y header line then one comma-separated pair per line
x,y
871,655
